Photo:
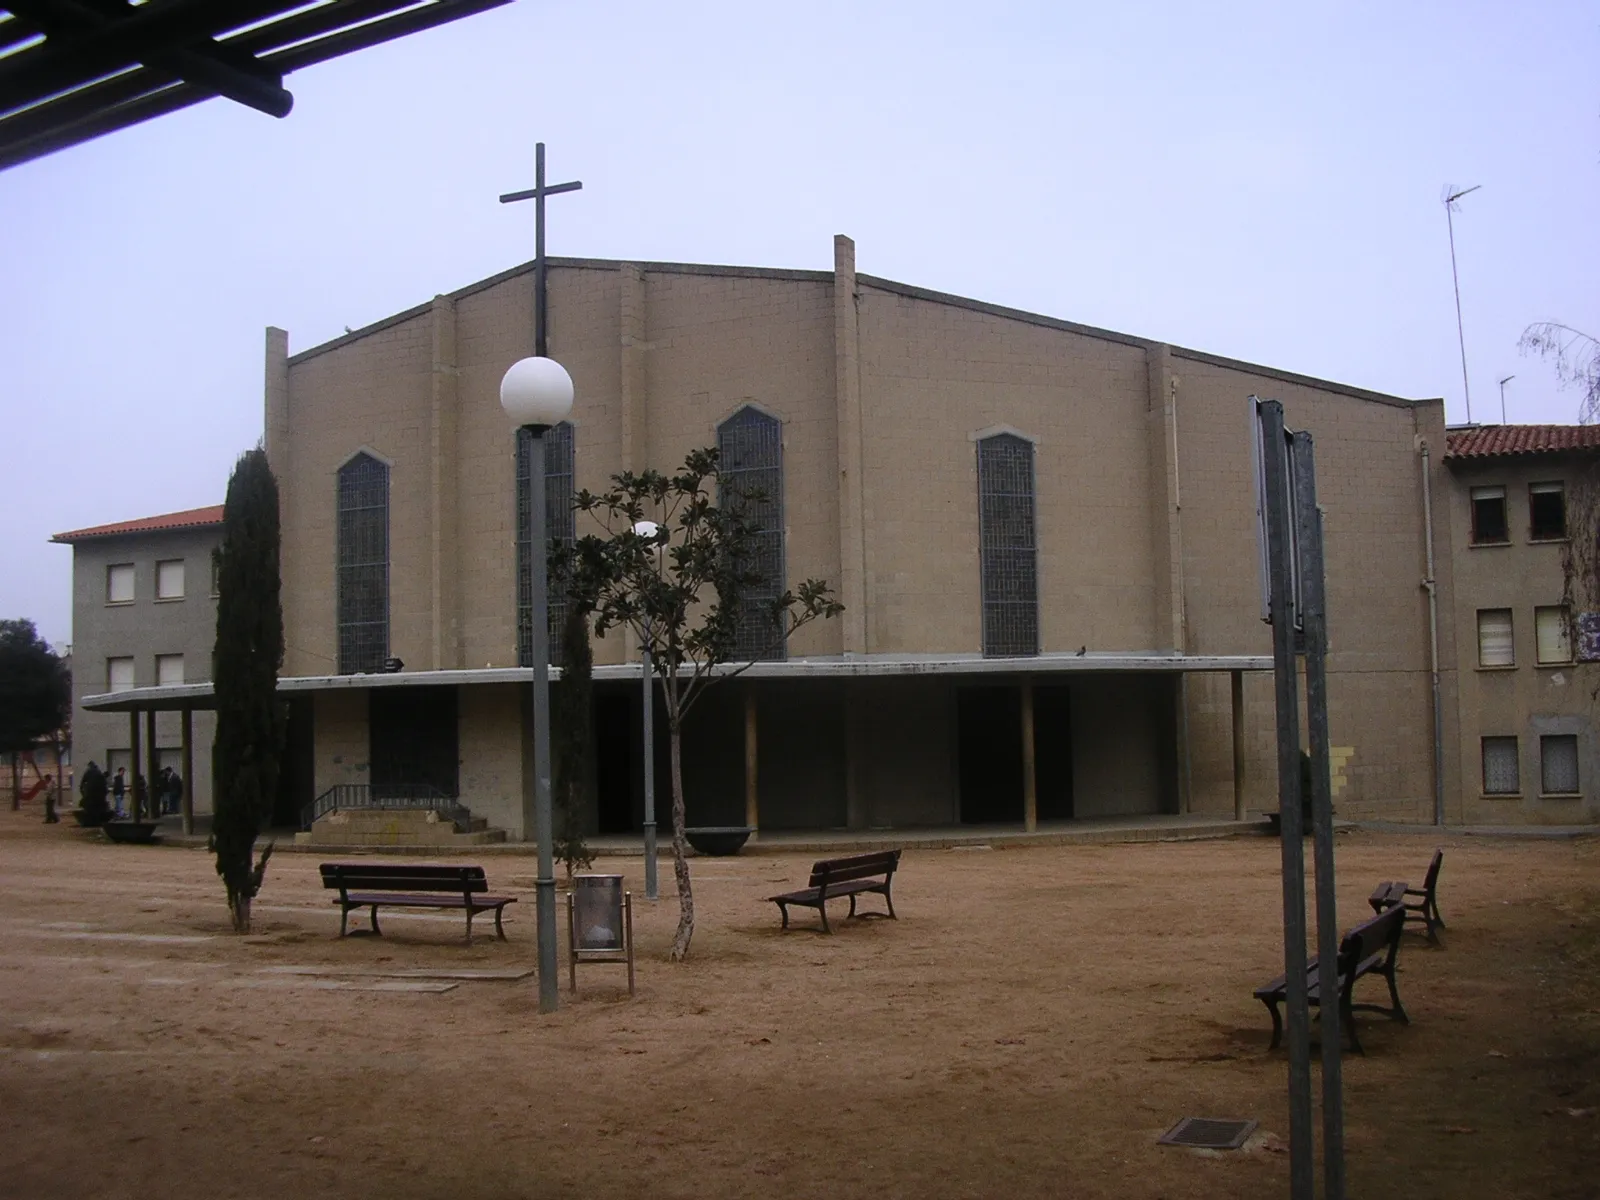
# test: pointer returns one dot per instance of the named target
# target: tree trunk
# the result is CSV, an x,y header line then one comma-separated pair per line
x,y
680,846
16,784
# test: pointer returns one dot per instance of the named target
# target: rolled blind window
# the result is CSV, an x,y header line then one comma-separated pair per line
x,y
1494,638
1550,629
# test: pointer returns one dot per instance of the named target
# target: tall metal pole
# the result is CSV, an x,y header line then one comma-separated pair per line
x,y
545,894
1286,685
651,889
1449,217
1314,618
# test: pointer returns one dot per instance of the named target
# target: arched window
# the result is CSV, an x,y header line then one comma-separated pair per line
x,y
1007,551
363,564
557,529
750,449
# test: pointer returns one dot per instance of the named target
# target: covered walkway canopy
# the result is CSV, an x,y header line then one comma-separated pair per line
x,y
1021,671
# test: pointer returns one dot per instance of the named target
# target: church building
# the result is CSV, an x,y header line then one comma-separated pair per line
x,y
1043,535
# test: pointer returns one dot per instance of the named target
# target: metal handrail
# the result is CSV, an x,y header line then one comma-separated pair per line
x,y
390,796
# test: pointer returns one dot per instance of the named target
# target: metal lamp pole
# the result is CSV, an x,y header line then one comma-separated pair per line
x,y
1450,223
652,890
537,393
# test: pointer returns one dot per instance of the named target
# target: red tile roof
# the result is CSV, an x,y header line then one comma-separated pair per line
x,y
1500,441
189,518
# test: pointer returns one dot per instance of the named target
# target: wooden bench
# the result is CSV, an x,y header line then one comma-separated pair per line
x,y
1424,910
369,885
833,877
1368,949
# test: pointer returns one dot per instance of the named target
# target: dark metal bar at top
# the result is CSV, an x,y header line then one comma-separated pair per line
x,y
1314,618
541,338
1279,547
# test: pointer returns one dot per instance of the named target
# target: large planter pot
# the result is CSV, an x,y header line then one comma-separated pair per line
x,y
718,839
137,833
86,821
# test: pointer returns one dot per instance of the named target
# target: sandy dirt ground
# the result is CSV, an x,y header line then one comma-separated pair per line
x,y
1030,1025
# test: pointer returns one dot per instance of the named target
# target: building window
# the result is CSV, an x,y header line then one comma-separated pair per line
x,y
169,579
750,452
1495,647
363,565
1547,512
169,669
1500,776
119,674
119,583
1489,524
1552,629
1558,764
1007,548
558,530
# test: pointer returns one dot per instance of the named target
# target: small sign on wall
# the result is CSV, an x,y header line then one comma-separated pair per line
x,y
1589,637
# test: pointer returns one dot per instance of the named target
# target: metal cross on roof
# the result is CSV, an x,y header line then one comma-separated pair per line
x,y
537,193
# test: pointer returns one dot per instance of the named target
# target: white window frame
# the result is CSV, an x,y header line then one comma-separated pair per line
x,y
164,664
120,571
1492,659
1552,635
113,664
161,592
1483,758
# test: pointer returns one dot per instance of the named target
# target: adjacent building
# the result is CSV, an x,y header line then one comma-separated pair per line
x,y
1522,517
144,614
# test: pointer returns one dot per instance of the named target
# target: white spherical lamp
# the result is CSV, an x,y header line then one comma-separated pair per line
x,y
646,529
536,391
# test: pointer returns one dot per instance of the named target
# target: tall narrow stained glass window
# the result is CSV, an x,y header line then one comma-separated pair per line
x,y
558,530
363,564
750,450
1007,549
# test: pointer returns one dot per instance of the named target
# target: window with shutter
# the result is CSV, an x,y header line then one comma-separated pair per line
x,y
1558,764
1547,512
1500,775
169,669
169,579
119,674
119,583
1489,524
1495,648
1551,629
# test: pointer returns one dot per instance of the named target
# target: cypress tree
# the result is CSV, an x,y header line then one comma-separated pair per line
x,y
249,651
572,735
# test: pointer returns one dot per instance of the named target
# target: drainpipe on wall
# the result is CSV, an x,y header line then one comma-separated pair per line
x,y
1433,638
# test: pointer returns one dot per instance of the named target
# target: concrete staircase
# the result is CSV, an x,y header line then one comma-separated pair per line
x,y
384,828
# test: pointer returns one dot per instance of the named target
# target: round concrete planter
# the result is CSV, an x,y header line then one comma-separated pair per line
x,y
135,833
718,839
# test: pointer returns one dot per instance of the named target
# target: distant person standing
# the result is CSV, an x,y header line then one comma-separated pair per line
x,y
119,792
174,792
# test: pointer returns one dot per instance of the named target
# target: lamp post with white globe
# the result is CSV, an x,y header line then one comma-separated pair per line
x,y
649,529
536,394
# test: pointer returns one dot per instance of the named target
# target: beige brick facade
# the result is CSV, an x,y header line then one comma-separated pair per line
x,y
1145,526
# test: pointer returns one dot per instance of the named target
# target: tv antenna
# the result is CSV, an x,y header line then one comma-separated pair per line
x,y
1451,196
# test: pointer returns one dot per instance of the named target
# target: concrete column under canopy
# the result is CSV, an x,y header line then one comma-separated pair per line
x,y
152,762
752,806
1236,696
1030,781
186,802
134,747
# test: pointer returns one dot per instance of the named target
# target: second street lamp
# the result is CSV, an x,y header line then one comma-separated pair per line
x,y
536,394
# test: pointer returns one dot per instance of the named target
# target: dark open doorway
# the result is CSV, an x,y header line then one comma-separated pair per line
x,y
616,744
989,748
297,774
415,739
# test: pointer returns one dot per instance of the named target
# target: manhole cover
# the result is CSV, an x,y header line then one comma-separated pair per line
x,y
1208,1134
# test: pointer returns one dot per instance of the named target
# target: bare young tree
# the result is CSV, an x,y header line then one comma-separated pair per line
x,y
674,566
1576,358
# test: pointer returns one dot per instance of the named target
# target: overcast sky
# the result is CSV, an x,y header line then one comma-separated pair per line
x,y
1257,180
